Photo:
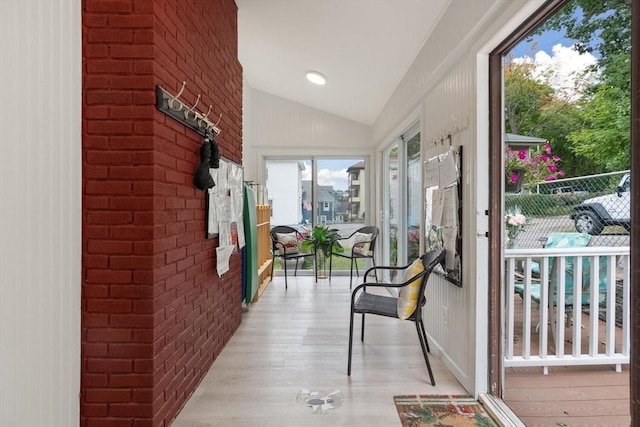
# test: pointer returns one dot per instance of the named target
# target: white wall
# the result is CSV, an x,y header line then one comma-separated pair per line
x,y
40,212
284,185
274,126
448,85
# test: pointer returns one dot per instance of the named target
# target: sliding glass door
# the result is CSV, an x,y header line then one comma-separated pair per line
x,y
391,206
304,192
290,197
401,213
414,194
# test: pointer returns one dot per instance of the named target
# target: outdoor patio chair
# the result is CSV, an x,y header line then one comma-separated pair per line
x,y
286,244
407,306
569,240
361,244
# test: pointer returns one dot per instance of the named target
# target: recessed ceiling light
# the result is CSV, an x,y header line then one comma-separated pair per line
x,y
316,77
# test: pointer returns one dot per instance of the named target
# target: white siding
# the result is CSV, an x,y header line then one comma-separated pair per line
x,y
285,192
448,84
446,87
279,127
40,212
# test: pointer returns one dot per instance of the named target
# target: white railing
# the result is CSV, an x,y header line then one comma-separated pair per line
x,y
541,300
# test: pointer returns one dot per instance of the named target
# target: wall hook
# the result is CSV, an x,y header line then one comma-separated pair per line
x,y
208,112
189,116
175,98
216,123
192,110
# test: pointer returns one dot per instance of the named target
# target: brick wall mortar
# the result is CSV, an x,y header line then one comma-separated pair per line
x,y
155,313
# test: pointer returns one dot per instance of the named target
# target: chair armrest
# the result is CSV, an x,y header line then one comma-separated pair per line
x,y
384,267
364,285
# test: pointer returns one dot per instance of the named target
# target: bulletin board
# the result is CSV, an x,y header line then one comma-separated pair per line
x,y
443,210
225,204
224,211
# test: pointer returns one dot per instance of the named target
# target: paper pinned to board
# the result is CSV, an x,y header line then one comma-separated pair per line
x,y
450,206
450,237
448,170
437,207
432,172
223,254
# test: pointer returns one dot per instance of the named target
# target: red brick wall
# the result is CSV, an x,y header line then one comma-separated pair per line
x,y
155,313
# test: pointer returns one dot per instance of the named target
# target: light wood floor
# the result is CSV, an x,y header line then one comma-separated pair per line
x,y
297,339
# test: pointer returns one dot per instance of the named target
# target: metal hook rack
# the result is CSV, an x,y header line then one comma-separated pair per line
x,y
173,107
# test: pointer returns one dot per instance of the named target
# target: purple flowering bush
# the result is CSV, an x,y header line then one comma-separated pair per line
x,y
536,165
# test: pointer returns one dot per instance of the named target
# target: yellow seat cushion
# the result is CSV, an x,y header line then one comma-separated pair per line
x,y
409,295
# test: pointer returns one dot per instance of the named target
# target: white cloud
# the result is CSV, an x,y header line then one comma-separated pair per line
x,y
338,179
564,70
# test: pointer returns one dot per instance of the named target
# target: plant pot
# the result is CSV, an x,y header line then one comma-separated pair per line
x,y
321,266
514,187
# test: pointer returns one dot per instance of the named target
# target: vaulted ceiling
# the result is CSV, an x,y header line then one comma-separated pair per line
x,y
363,47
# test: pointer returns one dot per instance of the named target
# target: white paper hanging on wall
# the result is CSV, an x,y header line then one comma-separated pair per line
x,y
432,172
448,170
223,254
450,206
437,207
223,208
450,236
235,181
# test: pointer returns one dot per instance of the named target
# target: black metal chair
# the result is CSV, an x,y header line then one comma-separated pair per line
x,y
367,303
363,249
286,244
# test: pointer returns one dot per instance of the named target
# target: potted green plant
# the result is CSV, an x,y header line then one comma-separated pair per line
x,y
321,239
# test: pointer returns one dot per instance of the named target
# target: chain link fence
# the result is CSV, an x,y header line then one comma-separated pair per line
x,y
597,204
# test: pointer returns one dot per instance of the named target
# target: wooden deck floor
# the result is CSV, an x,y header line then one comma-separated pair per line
x,y
569,396
576,396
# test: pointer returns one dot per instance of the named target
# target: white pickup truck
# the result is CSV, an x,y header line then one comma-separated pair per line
x,y
592,215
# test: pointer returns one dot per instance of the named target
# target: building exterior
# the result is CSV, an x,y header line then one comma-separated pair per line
x,y
284,185
325,206
357,192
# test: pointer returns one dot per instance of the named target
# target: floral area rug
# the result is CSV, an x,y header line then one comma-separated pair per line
x,y
441,411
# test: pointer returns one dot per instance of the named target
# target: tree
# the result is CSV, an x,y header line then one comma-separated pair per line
x,y
604,134
524,97
603,28
534,108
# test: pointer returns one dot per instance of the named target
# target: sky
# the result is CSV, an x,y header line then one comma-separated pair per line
x,y
331,172
557,63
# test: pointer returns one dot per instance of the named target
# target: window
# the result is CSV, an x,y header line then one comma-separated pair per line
x,y
402,198
312,191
